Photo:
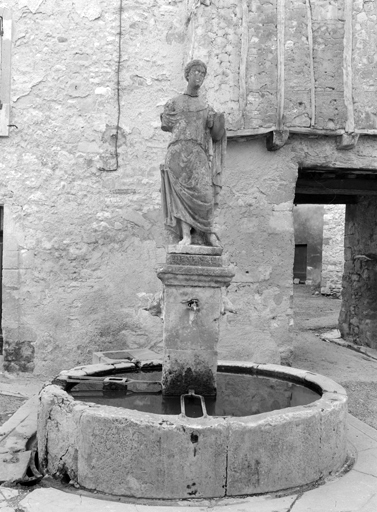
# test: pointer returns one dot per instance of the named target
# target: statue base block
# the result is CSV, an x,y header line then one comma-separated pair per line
x,y
192,304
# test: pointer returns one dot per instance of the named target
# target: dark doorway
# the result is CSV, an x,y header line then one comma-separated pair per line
x,y
300,262
357,189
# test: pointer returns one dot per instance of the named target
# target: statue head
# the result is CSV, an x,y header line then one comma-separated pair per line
x,y
192,64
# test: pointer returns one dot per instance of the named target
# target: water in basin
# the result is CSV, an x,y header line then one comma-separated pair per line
x,y
237,395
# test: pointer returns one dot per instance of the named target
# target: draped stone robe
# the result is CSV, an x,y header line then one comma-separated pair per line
x,y
191,176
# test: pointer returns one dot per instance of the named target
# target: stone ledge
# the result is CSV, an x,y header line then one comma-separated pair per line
x,y
184,275
196,260
195,249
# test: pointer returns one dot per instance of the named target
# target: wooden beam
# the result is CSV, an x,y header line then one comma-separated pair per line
x,y
5,75
347,66
281,63
311,61
297,130
333,190
348,185
243,58
251,132
276,139
347,141
309,169
324,199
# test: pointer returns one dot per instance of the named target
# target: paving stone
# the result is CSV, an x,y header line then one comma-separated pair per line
x,y
371,506
14,435
349,493
367,463
8,494
255,504
52,500
28,411
13,466
361,435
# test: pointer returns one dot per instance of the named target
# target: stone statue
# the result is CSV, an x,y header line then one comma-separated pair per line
x,y
191,175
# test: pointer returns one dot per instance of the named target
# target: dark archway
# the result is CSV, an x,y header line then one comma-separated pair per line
x,y
357,189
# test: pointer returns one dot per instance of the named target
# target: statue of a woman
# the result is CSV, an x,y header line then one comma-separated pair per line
x,y
191,176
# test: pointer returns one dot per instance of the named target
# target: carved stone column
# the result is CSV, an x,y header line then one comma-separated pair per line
x,y
192,303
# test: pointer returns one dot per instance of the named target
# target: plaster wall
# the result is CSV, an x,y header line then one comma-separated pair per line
x,y
333,249
81,241
308,229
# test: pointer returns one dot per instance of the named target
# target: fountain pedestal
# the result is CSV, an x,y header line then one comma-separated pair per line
x,y
192,302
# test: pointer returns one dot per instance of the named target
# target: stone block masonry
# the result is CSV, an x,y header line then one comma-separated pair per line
x,y
333,249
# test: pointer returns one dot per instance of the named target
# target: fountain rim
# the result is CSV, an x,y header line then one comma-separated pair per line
x,y
330,392
310,439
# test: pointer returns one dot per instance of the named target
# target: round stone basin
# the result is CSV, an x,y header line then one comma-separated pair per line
x,y
270,428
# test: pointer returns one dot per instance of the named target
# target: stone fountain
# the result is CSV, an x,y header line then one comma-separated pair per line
x,y
189,426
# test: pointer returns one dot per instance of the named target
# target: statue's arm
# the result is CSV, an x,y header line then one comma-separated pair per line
x,y
218,127
168,117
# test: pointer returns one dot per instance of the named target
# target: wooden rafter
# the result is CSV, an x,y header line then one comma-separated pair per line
x,y
311,59
5,62
281,63
243,57
324,199
337,186
347,67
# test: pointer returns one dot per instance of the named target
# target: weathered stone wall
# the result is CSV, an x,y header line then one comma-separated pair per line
x,y
358,315
333,249
81,244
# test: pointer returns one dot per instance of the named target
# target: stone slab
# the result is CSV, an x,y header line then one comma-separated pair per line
x,y
116,448
348,494
7,493
195,249
26,413
271,454
361,435
52,500
188,327
14,435
13,466
367,462
113,356
196,260
186,275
